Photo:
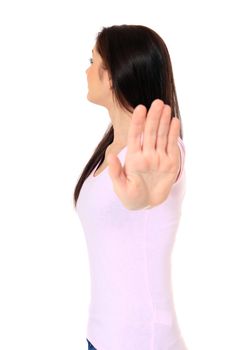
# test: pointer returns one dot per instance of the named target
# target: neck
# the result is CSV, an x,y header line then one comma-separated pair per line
x,y
121,121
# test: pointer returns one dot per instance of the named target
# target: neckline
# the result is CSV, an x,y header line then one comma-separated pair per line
x,y
104,170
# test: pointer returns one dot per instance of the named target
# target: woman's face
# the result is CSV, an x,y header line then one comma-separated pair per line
x,y
99,87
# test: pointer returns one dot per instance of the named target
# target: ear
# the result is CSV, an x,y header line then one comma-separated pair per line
x,y
109,80
110,83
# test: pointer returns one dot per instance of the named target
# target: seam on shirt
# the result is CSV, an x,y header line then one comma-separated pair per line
x,y
182,160
145,230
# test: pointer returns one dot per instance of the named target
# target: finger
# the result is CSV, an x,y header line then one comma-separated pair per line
x,y
173,135
136,129
163,130
115,168
152,124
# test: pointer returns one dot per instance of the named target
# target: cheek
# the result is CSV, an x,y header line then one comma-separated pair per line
x,y
101,74
92,74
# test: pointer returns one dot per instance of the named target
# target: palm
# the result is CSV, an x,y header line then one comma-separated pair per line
x,y
150,169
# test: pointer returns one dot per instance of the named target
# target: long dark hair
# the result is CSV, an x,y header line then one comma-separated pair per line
x,y
139,65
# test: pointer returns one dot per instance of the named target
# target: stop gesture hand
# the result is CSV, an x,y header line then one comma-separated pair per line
x,y
151,168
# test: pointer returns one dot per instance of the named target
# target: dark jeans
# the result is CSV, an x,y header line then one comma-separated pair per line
x,y
90,346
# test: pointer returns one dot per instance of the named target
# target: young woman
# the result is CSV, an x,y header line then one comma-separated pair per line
x,y
138,165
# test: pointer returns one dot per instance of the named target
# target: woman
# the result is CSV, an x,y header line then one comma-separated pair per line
x,y
140,166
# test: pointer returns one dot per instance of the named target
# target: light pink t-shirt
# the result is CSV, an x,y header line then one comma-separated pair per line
x,y
129,251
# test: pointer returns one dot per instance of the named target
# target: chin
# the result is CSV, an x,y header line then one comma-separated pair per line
x,y
89,97
94,100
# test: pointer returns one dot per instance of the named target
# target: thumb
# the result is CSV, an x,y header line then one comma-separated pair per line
x,y
115,168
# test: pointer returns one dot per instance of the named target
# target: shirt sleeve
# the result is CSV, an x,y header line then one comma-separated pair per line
x,y
182,159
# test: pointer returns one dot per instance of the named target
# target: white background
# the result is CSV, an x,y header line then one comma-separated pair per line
x,y
48,132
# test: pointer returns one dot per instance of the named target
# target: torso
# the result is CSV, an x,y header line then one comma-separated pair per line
x,y
103,165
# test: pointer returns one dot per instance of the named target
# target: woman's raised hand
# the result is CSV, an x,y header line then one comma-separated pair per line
x,y
151,166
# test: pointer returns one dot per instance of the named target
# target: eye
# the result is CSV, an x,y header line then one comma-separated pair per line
x,y
91,60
